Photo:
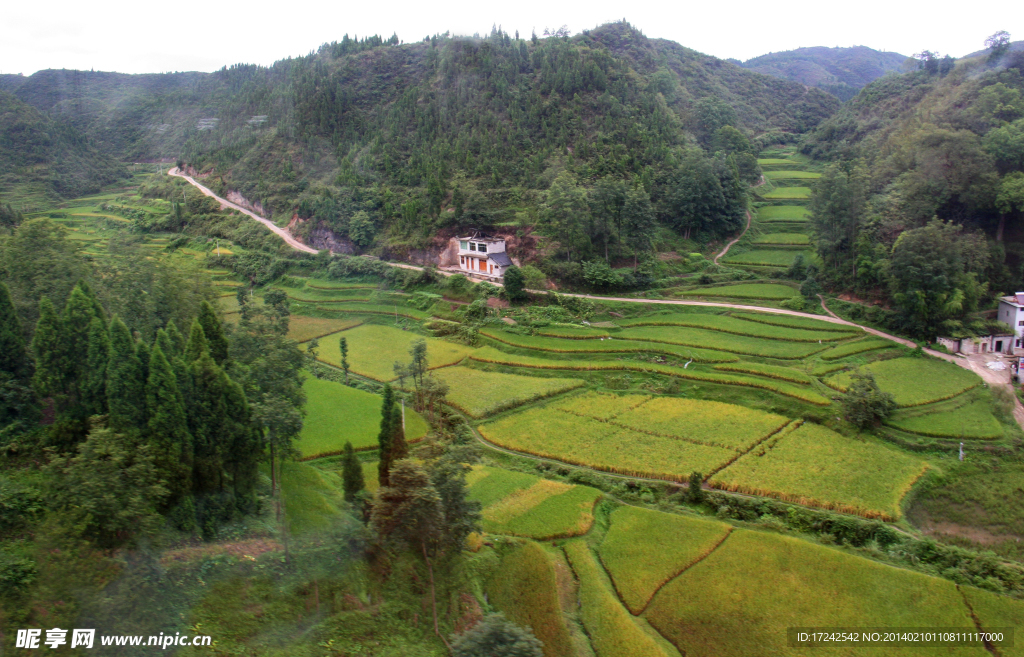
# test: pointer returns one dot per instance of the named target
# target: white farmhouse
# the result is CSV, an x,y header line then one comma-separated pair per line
x,y
1011,313
483,256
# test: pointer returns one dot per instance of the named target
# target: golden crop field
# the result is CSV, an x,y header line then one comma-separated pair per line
x,y
644,549
816,466
704,422
601,445
739,600
478,393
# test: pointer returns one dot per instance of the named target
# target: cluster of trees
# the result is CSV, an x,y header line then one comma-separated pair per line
x,y
124,448
925,206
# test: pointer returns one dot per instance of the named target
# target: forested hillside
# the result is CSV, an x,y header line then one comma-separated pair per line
x,y
35,148
840,71
924,205
456,131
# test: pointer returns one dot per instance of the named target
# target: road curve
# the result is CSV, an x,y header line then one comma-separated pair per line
x,y
281,232
738,238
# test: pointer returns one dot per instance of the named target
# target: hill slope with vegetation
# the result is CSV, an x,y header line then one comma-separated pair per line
x,y
370,136
925,204
48,152
841,72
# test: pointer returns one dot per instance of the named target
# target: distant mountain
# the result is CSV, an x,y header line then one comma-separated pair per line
x,y
1014,46
35,147
841,72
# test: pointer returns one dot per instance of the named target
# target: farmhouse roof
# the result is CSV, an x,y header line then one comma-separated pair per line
x,y
500,258
1016,299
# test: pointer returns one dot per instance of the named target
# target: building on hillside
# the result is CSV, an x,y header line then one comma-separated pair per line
x,y
1011,313
483,256
1002,343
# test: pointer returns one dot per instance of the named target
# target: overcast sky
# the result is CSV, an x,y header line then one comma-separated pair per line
x,y
146,37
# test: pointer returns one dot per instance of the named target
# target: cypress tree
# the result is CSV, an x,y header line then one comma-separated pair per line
x,y
13,355
214,332
351,473
76,321
384,437
197,344
207,411
48,349
143,353
177,339
168,427
399,448
97,307
244,446
126,389
94,381
165,343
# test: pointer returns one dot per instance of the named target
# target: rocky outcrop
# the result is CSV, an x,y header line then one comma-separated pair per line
x,y
238,199
321,237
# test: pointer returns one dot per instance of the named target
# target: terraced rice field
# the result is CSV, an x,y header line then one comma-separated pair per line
x,y
787,193
335,295
524,505
857,347
611,629
703,422
361,308
573,332
738,326
794,322
972,420
373,350
771,291
914,381
771,371
815,466
791,174
336,414
756,583
586,441
783,213
663,437
478,393
709,339
645,549
303,329
489,355
604,346
767,257
784,239
524,587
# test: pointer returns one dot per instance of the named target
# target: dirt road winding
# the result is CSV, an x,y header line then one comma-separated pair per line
x,y
224,203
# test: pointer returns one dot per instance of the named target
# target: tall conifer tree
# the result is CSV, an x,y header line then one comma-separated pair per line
x,y
168,427
214,332
384,437
94,381
399,448
13,356
48,349
351,473
177,340
197,344
126,389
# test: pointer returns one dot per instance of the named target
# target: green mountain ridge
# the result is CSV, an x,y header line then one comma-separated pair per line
x,y
839,71
394,130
